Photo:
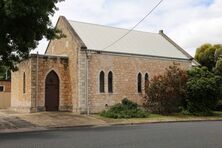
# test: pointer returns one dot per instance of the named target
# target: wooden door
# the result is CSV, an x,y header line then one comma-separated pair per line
x,y
52,92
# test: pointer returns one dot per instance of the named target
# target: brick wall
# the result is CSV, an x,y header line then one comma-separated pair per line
x,y
5,96
6,84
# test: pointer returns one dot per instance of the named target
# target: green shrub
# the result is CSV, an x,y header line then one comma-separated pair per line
x,y
219,106
202,91
218,67
166,93
125,109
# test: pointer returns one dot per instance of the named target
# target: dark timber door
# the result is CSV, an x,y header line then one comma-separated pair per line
x,y
52,92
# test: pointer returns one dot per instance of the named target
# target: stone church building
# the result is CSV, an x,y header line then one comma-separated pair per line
x,y
83,72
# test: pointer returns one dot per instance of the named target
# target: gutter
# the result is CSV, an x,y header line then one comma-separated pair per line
x,y
133,54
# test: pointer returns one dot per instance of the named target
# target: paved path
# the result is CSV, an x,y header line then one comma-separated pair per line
x,y
10,122
17,122
165,135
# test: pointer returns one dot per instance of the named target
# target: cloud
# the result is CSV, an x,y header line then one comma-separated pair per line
x,y
190,23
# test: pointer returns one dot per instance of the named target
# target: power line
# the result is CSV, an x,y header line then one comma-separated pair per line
x,y
134,26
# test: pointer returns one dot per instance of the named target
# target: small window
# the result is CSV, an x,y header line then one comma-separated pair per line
x,y
102,82
146,81
24,83
139,83
2,89
110,82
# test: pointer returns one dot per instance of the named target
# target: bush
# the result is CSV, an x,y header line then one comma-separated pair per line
x,y
218,67
125,109
219,106
202,91
166,93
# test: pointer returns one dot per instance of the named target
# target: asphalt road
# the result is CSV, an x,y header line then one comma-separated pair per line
x,y
165,135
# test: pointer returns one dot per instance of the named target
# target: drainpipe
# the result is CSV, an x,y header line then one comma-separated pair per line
x,y
37,77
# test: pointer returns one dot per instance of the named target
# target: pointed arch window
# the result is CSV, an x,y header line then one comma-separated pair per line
x,y
102,82
24,83
110,82
139,83
146,85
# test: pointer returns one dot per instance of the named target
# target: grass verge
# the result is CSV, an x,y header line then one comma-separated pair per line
x,y
161,118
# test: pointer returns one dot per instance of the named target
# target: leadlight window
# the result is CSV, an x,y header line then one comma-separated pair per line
x,y
139,83
24,83
102,82
110,82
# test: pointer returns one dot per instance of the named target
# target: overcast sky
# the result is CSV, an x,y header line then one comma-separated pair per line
x,y
189,23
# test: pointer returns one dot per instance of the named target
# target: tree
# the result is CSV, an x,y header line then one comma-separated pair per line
x,y
23,24
202,91
218,67
2,71
211,56
5,73
166,93
208,54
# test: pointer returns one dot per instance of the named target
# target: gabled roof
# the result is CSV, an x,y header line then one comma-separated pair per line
x,y
98,37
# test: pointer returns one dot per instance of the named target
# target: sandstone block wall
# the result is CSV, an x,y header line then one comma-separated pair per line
x,y
19,100
125,70
42,66
36,69
68,46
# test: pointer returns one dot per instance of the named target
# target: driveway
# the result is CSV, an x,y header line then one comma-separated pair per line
x,y
163,135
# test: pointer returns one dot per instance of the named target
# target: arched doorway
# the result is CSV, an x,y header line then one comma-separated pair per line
x,y
52,92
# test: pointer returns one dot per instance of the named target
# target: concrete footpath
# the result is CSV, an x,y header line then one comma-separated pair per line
x,y
18,122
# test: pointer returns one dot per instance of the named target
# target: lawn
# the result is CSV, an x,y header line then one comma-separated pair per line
x,y
153,118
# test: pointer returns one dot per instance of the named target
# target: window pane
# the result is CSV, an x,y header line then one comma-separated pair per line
x,y
102,82
146,82
110,82
1,88
24,83
139,81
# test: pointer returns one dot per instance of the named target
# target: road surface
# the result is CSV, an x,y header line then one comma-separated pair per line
x,y
163,135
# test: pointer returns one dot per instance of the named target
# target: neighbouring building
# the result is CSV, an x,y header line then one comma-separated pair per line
x,y
85,72
5,94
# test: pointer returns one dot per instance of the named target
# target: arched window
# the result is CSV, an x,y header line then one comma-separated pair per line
x,y
102,82
146,81
24,83
110,82
139,83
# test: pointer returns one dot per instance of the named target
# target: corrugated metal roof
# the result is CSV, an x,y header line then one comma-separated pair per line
x,y
97,37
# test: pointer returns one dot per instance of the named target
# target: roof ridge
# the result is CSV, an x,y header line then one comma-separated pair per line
x,y
111,27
